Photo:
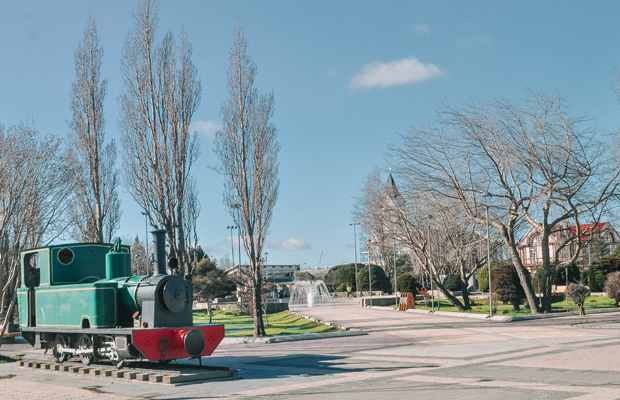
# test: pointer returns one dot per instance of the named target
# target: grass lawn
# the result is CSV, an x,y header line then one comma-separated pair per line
x,y
282,323
481,306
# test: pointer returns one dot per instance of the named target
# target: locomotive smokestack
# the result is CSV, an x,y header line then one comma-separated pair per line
x,y
159,237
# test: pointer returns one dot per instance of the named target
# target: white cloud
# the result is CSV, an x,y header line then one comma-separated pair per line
x,y
288,244
422,29
205,128
397,72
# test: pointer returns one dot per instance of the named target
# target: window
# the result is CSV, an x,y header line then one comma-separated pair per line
x,y
65,256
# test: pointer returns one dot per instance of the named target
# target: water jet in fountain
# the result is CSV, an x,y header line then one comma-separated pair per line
x,y
310,293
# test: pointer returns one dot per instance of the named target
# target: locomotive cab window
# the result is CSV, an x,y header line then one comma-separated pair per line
x,y
65,256
32,273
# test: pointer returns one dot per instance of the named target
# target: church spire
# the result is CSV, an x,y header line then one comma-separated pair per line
x,y
391,190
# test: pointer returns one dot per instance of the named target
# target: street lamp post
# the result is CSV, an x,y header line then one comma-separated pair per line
x,y
487,196
369,275
395,285
146,240
355,246
430,268
232,245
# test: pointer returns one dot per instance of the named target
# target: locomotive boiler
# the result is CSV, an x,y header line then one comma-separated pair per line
x,y
81,300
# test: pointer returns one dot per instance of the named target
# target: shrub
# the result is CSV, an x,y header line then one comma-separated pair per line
x,y
598,271
407,282
483,278
346,274
332,278
506,285
453,282
574,275
612,286
578,293
342,287
379,280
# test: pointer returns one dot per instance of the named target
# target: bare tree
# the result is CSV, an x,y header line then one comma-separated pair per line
x,y
247,149
95,209
541,166
412,221
34,185
161,92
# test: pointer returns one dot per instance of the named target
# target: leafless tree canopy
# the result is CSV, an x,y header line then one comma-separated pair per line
x,y
161,93
95,209
34,185
416,225
247,149
541,165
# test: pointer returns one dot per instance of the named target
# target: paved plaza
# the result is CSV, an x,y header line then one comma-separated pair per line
x,y
404,355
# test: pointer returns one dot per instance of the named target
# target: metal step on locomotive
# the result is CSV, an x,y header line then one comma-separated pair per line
x,y
81,300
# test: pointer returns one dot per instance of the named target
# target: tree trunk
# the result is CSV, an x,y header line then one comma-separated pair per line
x,y
452,299
259,326
547,280
464,292
9,312
209,309
524,275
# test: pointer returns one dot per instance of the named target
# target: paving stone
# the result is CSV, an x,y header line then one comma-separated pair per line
x,y
130,375
142,377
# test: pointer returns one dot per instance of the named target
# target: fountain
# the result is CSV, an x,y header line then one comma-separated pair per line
x,y
310,293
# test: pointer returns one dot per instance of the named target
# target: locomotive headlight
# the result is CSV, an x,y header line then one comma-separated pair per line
x,y
194,342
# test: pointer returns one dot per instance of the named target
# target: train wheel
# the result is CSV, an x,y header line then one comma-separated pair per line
x,y
119,364
84,343
57,351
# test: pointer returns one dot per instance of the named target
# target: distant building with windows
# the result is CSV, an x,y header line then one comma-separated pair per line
x,y
530,247
269,273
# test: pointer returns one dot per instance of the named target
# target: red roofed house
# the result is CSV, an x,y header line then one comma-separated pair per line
x,y
530,249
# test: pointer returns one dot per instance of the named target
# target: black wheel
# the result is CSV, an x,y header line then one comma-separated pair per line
x,y
59,355
57,351
85,342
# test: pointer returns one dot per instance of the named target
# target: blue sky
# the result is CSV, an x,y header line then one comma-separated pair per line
x,y
347,77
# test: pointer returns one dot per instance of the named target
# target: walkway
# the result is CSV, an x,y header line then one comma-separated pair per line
x,y
404,356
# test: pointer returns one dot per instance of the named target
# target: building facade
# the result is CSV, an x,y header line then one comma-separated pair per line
x,y
563,240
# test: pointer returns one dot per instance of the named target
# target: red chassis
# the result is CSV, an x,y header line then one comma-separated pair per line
x,y
172,343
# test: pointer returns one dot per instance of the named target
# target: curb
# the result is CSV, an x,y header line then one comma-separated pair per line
x,y
499,318
294,338
496,318
570,313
